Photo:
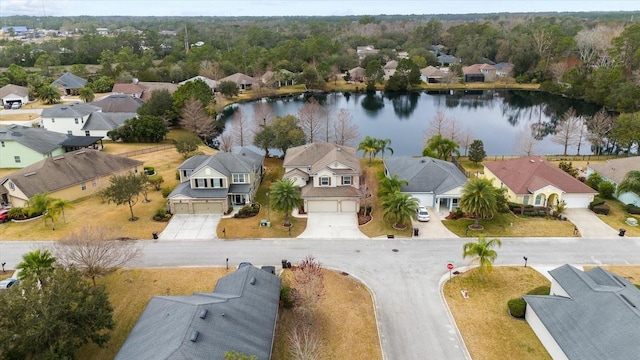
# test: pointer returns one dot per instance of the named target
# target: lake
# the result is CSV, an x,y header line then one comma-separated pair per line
x,y
497,117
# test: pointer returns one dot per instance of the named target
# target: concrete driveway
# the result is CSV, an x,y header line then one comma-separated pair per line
x,y
589,224
332,226
191,226
434,228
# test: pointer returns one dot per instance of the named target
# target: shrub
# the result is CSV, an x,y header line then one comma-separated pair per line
x,y
161,214
285,296
594,181
568,168
248,211
602,209
149,170
632,209
540,290
156,181
18,213
166,191
606,189
517,307
596,202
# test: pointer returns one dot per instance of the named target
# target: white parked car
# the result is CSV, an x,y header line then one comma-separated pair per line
x,y
423,214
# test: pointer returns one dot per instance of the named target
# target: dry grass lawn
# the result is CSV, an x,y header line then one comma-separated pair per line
x,y
488,330
509,225
617,216
345,316
631,273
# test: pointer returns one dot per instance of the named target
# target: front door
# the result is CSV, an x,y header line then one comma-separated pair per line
x,y
238,199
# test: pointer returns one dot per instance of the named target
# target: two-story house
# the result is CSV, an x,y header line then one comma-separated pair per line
x,y
22,146
213,184
81,119
327,174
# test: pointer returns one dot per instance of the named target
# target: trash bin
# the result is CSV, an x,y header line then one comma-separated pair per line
x,y
155,235
622,231
268,224
416,231
284,263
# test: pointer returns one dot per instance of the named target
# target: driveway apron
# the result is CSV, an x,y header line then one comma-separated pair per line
x,y
434,228
332,226
589,224
191,226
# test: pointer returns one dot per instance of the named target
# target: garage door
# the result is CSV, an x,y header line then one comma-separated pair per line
x,y
348,206
208,208
322,206
577,202
425,199
181,208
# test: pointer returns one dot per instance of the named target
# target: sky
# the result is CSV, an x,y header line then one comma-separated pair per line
x,y
298,7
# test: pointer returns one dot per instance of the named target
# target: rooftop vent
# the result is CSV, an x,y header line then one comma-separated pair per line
x,y
194,336
203,313
627,300
58,157
252,281
80,152
29,173
63,108
532,161
423,160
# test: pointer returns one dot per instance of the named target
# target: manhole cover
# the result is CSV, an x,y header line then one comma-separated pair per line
x,y
395,250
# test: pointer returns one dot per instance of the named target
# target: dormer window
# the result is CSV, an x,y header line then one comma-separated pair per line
x,y
346,180
238,178
325,181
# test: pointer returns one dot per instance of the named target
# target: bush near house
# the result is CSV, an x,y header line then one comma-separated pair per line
x,y
632,209
517,306
247,211
598,206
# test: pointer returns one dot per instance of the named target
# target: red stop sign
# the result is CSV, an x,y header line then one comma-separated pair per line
x,y
450,266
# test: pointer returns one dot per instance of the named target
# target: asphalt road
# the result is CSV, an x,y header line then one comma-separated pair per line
x,y
413,319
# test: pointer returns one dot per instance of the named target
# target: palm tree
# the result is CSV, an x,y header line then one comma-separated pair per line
x,y
49,94
51,214
383,145
285,196
479,199
630,183
389,185
86,94
442,147
36,263
482,253
398,208
38,204
370,147
61,204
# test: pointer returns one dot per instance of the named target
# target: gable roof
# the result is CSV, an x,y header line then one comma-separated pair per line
x,y
212,83
74,110
240,162
432,71
240,314
425,174
107,121
59,172
599,320
319,155
39,140
151,86
129,89
119,103
527,174
239,78
70,81
391,64
11,89
357,72
616,169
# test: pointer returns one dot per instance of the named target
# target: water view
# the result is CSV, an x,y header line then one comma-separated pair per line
x,y
498,118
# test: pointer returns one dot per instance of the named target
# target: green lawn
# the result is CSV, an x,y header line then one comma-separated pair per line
x,y
617,216
510,225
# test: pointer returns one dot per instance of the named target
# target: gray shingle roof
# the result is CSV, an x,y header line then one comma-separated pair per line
x,y
69,110
107,121
119,103
70,81
425,174
59,172
36,139
13,89
601,318
616,169
240,315
242,162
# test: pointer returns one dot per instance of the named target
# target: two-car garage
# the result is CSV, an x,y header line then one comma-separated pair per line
x,y
327,206
197,207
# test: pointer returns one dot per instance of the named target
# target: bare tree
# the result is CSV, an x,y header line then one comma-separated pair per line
x,y
226,142
445,126
328,123
594,45
308,282
581,132
310,116
465,140
558,69
454,129
526,141
304,342
211,69
94,252
263,113
568,129
599,127
242,129
344,130
195,118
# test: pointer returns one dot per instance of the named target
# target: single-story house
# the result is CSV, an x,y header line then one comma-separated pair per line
x,y
433,182
364,51
357,74
279,78
390,69
69,176
239,315
244,81
327,174
531,180
213,184
432,75
82,119
446,60
69,84
213,84
504,69
614,171
10,94
143,89
118,103
22,146
590,315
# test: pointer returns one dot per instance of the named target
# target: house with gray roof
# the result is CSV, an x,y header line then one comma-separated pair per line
x,y
243,81
213,184
82,119
22,146
211,83
433,182
69,176
328,176
10,94
590,315
614,171
239,315
69,84
118,103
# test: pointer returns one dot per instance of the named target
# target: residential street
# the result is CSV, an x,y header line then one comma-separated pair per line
x,y
412,317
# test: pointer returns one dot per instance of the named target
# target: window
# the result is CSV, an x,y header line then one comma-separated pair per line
x,y
76,120
83,185
238,178
53,120
538,199
325,181
87,133
17,159
200,183
346,180
525,200
69,132
2,143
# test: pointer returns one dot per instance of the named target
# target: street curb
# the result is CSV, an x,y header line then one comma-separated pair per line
x,y
441,283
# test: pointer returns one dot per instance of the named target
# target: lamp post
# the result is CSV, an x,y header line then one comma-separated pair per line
x,y
268,208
